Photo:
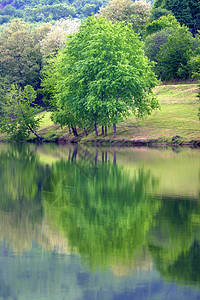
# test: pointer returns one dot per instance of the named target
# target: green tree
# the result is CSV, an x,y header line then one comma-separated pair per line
x,y
17,117
161,23
135,13
103,75
20,58
174,55
186,12
154,41
156,13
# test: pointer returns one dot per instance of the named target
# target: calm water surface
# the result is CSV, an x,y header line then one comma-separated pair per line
x,y
99,223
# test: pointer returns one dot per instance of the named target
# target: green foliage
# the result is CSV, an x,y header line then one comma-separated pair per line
x,y
154,41
175,254
18,113
57,35
164,47
48,82
194,65
174,55
162,23
20,58
135,13
198,95
47,10
156,13
186,12
2,92
102,75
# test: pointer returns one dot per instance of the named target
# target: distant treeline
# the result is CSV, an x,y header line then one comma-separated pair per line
x,y
47,10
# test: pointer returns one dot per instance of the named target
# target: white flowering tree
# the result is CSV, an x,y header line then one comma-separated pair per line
x,y
56,37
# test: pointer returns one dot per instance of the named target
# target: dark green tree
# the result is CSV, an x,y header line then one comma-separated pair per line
x,y
154,41
186,12
163,22
156,13
174,55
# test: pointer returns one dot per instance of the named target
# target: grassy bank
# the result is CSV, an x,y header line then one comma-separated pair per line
x,y
176,122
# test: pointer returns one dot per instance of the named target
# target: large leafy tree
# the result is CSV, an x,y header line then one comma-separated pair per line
x,y
103,75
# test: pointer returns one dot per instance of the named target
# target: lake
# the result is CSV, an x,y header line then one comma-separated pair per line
x,y
81,223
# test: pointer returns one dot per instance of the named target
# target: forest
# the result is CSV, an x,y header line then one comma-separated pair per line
x,y
91,63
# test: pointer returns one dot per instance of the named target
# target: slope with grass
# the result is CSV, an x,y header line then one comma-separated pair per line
x,y
176,122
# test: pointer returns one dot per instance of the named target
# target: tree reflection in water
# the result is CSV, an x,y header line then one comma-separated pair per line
x,y
104,211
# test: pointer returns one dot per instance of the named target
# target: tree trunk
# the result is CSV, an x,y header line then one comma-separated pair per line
x,y
31,129
74,131
114,128
106,130
85,131
106,157
102,130
69,129
95,128
39,137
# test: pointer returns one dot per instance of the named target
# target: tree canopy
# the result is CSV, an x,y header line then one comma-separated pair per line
x,y
131,12
20,59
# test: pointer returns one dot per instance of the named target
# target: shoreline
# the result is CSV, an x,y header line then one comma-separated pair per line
x,y
175,141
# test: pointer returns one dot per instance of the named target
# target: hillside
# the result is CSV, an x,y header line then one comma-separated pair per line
x,y
176,117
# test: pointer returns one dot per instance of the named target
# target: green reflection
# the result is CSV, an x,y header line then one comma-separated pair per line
x,y
21,174
21,178
174,241
103,210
